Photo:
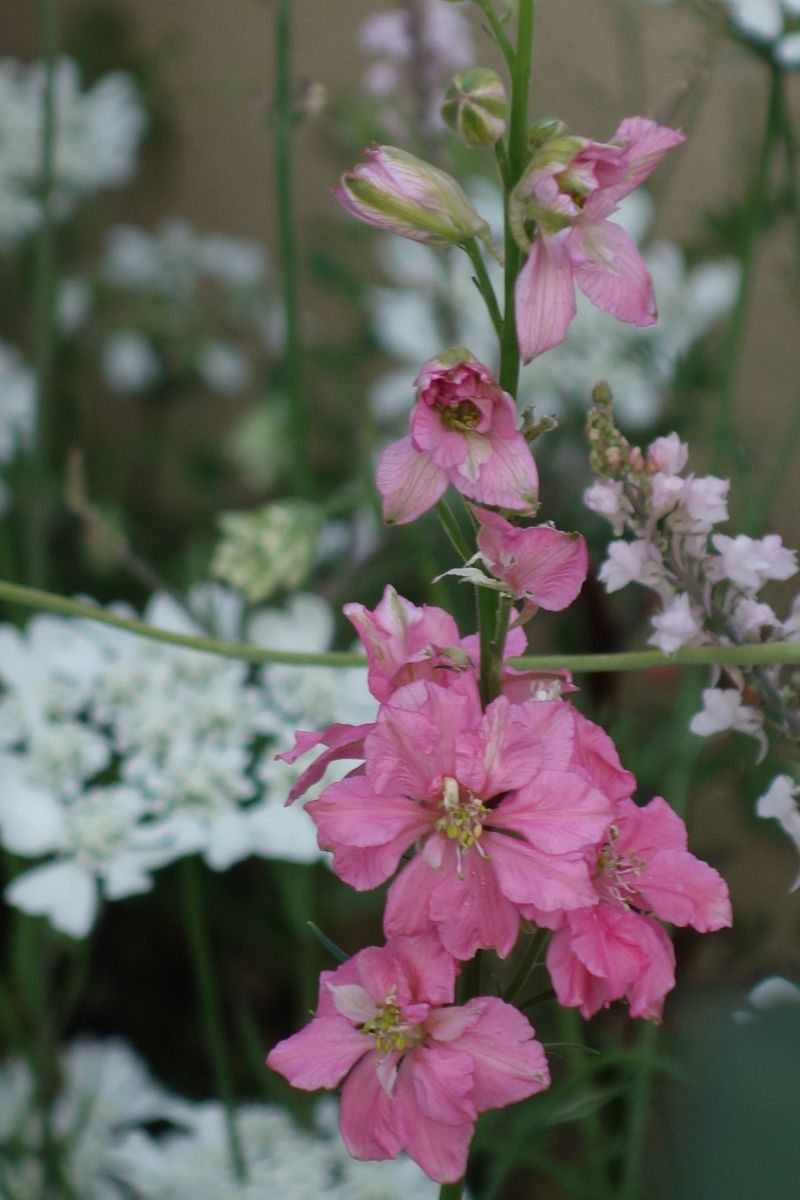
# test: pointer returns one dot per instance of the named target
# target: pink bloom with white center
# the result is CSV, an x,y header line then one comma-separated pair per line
x,y
403,641
463,432
497,800
570,189
616,948
418,1070
539,564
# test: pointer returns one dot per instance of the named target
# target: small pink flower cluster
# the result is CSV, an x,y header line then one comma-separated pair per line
x,y
482,818
708,583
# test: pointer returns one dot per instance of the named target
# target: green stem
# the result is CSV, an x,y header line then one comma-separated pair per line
x,y
591,1124
533,953
792,164
283,124
452,1191
639,1112
452,529
723,438
205,980
484,285
498,32
747,655
44,309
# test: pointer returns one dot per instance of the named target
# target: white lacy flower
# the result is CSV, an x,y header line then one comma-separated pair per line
x,y
222,367
704,503
129,363
722,710
678,624
98,132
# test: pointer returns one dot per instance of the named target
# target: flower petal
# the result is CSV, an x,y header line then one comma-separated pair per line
x,y
544,301
320,1055
409,481
610,271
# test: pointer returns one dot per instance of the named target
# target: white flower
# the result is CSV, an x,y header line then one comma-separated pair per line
x,y
630,562
723,709
774,992
678,624
665,492
129,363
607,498
668,455
780,801
751,616
222,367
750,562
704,502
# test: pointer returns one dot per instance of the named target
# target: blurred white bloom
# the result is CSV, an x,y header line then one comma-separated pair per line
x,y
129,363
222,367
269,548
73,304
767,23
17,403
774,992
678,624
176,257
780,801
629,562
723,709
119,754
97,137
750,562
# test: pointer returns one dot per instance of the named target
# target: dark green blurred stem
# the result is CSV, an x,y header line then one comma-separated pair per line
x,y
725,454
297,888
591,1124
789,135
283,125
44,313
537,941
452,1191
484,285
498,32
453,530
205,980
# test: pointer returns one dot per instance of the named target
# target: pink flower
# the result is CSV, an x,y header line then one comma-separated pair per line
x,y
341,741
499,801
616,948
418,1069
403,642
570,189
464,432
539,564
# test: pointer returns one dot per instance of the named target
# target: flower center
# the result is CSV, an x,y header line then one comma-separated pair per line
x,y
460,417
462,818
388,1030
617,873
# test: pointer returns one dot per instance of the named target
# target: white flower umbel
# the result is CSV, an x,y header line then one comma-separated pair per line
x,y
97,137
17,400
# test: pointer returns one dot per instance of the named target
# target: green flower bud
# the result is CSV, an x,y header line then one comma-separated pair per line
x,y
271,548
475,106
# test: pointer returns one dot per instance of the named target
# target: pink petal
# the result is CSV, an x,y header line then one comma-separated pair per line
x,y
648,829
427,966
574,986
645,145
612,943
407,900
343,741
539,563
609,270
367,867
596,753
646,994
558,812
368,1117
440,1149
349,813
498,756
685,891
544,301
548,881
470,912
509,1063
413,744
442,1076
550,727
409,481
507,478
320,1055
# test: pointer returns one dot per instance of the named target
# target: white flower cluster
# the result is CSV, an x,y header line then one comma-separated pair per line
x,y
437,48
781,802
775,23
98,1119
120,754
201,290
97,137
17,409
708,583
411,324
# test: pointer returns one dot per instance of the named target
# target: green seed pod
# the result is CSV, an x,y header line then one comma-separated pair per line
x,y
475,106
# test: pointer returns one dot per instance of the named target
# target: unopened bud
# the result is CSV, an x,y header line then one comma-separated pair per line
x,y
405,195
543,130
475,106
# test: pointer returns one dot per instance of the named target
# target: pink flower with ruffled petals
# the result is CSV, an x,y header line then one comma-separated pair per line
x,y
403,641
616,948
539,564
570,189
418,1070
463,432
501,809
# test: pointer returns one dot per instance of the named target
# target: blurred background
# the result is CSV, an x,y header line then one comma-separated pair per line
x,y
159,451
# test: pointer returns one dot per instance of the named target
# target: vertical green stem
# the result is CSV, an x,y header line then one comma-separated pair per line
x,y
205,980
792,165
44,309
283,124
723,439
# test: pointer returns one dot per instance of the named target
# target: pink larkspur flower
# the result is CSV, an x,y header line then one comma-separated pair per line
x,y
539,564
417,1069
616,947
463,432
570,189
501,805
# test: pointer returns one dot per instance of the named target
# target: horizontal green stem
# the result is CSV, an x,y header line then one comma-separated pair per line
x,y
763,655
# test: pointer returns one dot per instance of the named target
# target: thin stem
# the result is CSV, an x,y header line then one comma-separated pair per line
x,y
484,285
749,655
792,163
283,125
723,432
452,1191
639,1113
451,528
533,953
498,32
44,307
205,980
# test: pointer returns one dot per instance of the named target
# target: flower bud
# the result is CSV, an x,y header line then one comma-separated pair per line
x,y
268,549
542,130
475,106
406,195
